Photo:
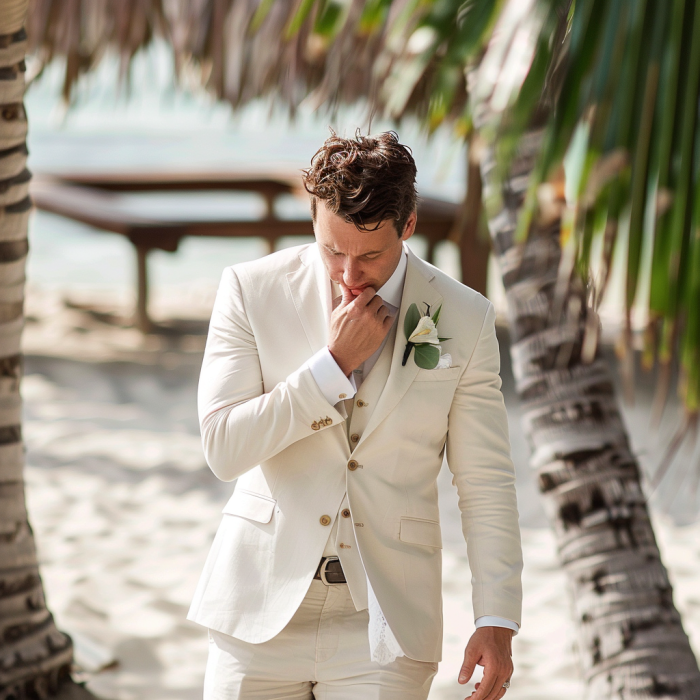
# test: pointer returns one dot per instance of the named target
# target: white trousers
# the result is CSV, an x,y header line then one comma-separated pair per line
x,y
323,653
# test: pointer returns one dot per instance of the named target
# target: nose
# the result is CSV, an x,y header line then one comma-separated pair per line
x,y
352,274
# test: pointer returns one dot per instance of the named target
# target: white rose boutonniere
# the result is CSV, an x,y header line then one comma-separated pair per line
x,y
422,334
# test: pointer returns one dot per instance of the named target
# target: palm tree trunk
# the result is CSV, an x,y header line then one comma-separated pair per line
x,y
630,637
34,656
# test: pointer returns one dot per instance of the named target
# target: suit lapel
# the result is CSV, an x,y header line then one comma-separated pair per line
x,y
310,290
417,290
374,383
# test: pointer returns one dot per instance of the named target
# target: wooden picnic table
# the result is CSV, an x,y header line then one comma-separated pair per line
x,y
96,199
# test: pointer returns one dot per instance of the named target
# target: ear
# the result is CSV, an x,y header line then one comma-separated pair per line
x,y
410,226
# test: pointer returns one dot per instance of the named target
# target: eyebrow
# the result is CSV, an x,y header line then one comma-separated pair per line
x,y
369,252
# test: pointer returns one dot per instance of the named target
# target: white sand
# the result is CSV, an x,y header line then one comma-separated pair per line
x,y
124,511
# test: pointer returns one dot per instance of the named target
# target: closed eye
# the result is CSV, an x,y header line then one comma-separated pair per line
x,y
367,256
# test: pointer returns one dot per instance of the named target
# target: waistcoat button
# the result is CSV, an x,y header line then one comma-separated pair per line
x,y
354,437
345,513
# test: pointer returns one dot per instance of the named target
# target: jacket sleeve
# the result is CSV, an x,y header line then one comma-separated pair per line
x,y
241,426
478,455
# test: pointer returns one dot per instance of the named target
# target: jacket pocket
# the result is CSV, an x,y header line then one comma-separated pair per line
x,y
418,531
253,506
436,375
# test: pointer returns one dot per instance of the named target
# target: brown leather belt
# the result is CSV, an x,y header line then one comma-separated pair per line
x,y
330,571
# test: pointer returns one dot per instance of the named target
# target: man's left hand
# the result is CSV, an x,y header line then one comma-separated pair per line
x,y
489,647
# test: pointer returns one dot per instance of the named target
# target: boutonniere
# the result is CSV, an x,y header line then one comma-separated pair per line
x,y
422,334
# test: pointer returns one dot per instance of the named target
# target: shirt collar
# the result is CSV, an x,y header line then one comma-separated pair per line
x,y
392,290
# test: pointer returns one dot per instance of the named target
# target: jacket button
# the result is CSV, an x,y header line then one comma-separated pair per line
x,y
315,426
354,437
352,465
325,520
328,421
345,513
361,403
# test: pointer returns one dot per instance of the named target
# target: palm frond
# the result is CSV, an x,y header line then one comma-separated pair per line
x,y
616,80
629,82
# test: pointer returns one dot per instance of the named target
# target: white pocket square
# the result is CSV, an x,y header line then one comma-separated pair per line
x,y
445,361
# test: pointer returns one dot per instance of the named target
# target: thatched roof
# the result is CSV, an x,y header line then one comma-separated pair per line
x,y
339,53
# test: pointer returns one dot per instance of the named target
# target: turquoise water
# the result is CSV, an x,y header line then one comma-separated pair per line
x,y
157,126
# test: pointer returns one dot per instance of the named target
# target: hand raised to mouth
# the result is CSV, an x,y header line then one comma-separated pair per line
x,y
358,326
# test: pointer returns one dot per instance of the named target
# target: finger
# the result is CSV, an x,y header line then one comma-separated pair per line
x,y
467,670
382,312
375,303
365,296
498,690
488,684
502,693
505,675
347,294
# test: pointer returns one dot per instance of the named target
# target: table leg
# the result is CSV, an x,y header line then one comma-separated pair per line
x,y
141,320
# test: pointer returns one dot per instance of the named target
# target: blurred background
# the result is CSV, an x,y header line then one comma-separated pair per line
x,y
122,504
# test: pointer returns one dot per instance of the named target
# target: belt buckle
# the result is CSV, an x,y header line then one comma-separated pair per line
x,y
322,572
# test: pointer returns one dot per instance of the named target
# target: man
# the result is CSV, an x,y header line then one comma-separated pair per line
x,y
324,579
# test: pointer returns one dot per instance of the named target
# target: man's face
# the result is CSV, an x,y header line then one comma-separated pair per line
x,y
357,258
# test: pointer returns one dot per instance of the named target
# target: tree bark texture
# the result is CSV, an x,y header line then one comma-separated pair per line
x,y
35,657
631,641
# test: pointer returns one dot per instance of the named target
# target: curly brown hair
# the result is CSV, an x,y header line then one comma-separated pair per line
x,y
366,180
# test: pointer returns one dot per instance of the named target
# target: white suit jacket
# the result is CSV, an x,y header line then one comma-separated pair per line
x,y
265,422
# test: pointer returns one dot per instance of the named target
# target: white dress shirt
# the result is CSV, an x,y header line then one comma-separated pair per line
x,y
336,386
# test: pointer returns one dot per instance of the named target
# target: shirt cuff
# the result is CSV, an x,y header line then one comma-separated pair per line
x,y
334,385
494,621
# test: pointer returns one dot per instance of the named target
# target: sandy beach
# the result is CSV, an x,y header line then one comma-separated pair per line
x,y
124,509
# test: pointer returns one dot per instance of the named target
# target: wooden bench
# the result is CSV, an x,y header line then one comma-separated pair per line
x,y
95,199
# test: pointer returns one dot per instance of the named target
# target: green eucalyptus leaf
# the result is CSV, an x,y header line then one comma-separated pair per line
x,y
442,340
411,320
426,356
